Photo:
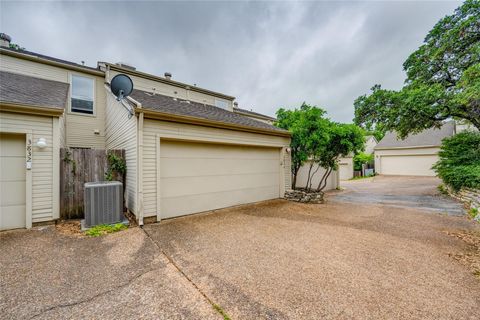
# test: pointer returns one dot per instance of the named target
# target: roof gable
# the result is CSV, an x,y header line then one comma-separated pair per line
x,y
430,137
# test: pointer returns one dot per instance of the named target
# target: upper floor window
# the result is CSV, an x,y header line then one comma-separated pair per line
x,y
82,94
221,103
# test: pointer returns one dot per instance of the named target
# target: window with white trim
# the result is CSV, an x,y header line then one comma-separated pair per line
x,y
82,94
221,103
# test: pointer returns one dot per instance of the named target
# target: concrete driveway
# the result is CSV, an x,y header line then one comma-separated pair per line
x,y
345,259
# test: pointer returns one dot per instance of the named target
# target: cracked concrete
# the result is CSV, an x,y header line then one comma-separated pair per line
x,y
46,275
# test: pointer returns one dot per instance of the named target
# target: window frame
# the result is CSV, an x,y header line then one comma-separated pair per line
x,y
224,101
94,109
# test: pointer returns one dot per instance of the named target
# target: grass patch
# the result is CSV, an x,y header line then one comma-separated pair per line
x,y
221,311
473,212
362,177
103,229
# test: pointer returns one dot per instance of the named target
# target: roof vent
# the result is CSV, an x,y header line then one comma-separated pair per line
x,y
5,40
126,66
168,75
235,104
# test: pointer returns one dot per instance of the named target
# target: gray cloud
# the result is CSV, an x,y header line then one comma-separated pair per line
x,y
267,54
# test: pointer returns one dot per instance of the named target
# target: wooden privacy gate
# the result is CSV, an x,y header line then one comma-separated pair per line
x,y
78,166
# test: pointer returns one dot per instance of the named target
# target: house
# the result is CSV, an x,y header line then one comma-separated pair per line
x,y
254,115
413,156
187,150
370,143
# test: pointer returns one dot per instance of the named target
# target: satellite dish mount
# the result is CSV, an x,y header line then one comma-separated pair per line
x,y
122,86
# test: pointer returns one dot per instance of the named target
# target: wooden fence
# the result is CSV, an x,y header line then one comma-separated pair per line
x,y
78,166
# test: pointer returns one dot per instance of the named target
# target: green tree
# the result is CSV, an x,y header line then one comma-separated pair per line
x,y
317,140
361,158
443,80
459,163
342,140
306,125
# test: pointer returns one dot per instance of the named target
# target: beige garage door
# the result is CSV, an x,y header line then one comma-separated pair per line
x,y
415,165
197,177
12,181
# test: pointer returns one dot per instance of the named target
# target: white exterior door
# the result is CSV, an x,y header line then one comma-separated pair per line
x,y
197,177
411,165
12,181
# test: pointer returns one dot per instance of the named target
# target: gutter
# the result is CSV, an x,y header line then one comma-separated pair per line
x,y
31,109
209,123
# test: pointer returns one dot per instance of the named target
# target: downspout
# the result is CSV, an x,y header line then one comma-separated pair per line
x,y
140,167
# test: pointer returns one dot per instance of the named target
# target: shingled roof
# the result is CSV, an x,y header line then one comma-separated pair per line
x,y
30,91
175,106
429,137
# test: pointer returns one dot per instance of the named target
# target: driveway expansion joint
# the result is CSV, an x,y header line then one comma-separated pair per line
x,y
215,306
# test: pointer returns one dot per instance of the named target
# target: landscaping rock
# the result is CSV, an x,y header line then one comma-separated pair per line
x,y
304,196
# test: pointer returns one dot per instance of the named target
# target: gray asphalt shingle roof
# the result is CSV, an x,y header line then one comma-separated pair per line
x,y
429,137
175,106
31,91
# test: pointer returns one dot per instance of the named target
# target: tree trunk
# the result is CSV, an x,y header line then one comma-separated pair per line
x,y
311,178
308,176
294,180
321,180
329,171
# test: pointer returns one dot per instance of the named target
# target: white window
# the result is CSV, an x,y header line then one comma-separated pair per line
x,y
221,103
82,94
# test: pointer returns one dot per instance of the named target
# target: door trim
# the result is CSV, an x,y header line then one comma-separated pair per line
x,y
28,173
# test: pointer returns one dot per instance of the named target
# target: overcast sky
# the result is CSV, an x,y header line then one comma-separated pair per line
x,y
267,54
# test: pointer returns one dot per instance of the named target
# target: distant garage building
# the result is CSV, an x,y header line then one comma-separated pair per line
x,y
413,156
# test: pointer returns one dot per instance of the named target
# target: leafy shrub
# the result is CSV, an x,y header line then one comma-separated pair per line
x,y
459,164
360,159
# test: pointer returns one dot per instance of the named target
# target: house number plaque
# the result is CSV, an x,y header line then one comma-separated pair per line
x,y
29,154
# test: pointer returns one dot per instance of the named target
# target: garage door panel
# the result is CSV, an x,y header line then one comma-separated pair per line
x,y
12,168
12,181
197,177
174,167
12,217
216,183
172,149
414,165
184,205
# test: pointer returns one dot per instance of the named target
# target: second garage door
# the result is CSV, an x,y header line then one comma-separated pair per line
x,y
197,177
414,165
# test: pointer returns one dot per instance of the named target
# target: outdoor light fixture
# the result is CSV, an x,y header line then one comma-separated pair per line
x,y
41,143
288,149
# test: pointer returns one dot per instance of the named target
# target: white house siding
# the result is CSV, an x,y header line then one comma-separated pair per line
x,y
44,190
406,161
80,129
332,181
155,129
171,90
345,168
121,133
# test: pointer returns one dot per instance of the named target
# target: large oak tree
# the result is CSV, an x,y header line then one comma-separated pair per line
x,y
443,80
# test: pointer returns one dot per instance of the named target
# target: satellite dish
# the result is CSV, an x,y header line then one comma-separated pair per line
x,y
121,86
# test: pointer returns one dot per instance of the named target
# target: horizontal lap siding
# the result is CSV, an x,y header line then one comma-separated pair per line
x,y
79,128
121,133
152,128
42,160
